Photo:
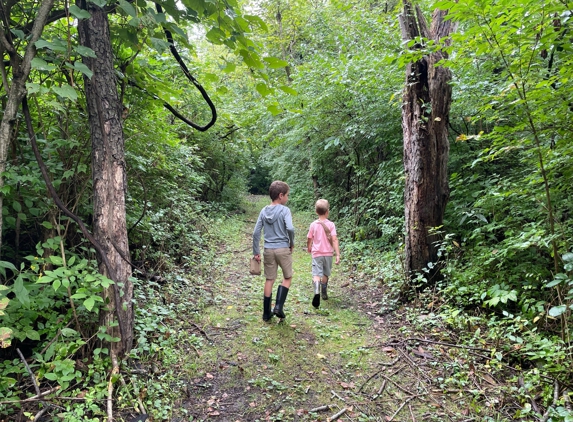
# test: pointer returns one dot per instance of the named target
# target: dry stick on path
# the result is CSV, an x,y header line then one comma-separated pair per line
x,y
337,415
377,372
320,408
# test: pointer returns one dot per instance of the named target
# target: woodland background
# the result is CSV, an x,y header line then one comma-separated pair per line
x,y
309,92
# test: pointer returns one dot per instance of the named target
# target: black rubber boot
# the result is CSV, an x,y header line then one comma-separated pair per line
x,y
267,313
282,293
323,288
316,298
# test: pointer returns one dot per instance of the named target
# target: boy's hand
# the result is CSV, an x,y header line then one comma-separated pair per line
x,y
337,259
257,257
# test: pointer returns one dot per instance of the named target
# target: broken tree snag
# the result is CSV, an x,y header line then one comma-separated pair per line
x,y
426,104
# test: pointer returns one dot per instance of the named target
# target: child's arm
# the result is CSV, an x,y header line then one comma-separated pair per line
x,y
309,244
336,248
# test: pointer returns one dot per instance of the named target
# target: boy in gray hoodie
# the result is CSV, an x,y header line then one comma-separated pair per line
x,y
276,222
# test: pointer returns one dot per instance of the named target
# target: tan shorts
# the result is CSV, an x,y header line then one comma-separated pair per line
x,y
274,258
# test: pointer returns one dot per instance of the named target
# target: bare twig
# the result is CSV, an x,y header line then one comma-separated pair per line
x,y
336,395
411,413
33,398
401,406
320,408
381,389
337,415
32,376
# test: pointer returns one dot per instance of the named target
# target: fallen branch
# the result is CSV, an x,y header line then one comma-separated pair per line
x,y
33,398
337,415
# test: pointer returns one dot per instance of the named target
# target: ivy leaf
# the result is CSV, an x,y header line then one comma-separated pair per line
x,y
65,91
79,13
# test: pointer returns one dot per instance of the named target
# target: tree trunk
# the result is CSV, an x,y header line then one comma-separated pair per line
x,y
425,115
20,72
108,172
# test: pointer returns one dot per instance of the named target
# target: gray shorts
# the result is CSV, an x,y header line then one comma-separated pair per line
x,y
322,265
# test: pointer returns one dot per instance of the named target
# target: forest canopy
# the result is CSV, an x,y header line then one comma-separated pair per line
x,y
186,107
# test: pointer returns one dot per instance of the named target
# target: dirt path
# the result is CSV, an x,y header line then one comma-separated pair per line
x,y
345,361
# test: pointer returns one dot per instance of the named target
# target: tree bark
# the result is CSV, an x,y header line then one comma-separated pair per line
x,y
425,115
17,90
108,172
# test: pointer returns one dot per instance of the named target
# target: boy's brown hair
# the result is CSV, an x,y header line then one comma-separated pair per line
x,y
321,207
278,187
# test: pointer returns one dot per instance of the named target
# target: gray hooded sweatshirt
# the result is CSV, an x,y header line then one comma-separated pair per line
x,y
276,221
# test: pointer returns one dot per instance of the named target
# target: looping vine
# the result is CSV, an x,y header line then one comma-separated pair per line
x,y
190,77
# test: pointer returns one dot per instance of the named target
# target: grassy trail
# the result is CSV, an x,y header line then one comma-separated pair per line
x,y
318,365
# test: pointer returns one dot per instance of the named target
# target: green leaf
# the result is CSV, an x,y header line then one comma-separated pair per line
x,y
275,63
56,45
557,310
216,36
263,89
42,65
32,335
79,13
56,285
251,59
89,303
67,332
84,69
19,33
65,91
51,376
47,224
9,265
230,67
85,51
256,21
56,260
274,109
127,8
288,90
21,292
159,44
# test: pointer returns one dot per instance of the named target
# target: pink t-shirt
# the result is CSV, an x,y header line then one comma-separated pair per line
x,y
320,244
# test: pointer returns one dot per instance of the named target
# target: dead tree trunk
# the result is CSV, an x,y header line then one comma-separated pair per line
x,y
425,114
108,172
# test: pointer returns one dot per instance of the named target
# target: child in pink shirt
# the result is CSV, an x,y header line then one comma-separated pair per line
x,y
322,242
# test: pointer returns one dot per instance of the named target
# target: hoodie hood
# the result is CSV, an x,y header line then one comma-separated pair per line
x,y
272,212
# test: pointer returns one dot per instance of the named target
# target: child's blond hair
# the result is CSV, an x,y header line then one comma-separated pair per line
x,y
321,207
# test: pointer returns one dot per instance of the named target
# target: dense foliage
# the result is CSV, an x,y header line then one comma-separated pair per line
x,y
312,97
